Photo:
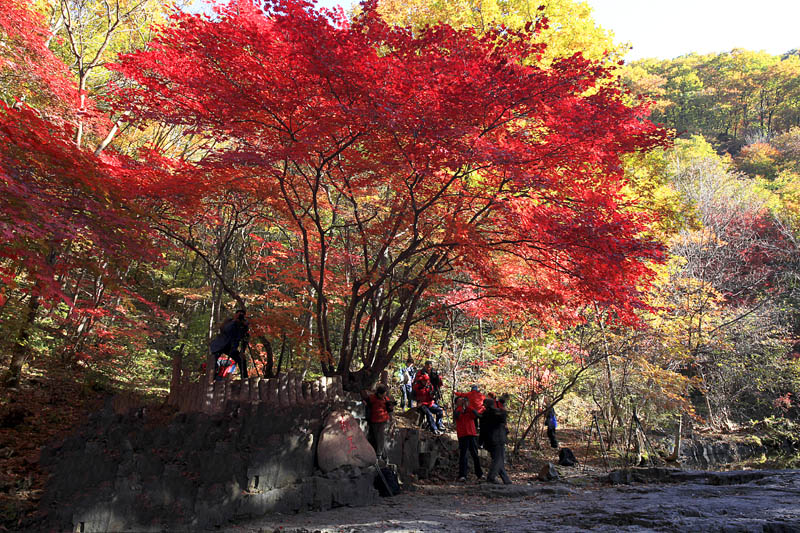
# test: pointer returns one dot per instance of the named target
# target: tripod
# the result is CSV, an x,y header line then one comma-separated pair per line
x,y
595,427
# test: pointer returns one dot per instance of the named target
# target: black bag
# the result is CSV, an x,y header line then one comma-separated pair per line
x,y
386,482
566,457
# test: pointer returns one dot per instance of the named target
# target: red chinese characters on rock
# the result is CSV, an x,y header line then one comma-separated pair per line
x,y
342,443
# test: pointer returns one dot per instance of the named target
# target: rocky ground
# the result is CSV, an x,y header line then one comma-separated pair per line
x,y
647,500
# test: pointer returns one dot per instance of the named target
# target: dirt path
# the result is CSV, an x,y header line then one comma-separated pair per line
x,y
702,501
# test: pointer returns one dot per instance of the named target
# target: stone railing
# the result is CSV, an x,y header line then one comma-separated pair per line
x,y
213,396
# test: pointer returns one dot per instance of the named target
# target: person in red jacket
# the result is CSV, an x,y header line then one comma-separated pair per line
x,y
424,396
379,408
475,398
467,438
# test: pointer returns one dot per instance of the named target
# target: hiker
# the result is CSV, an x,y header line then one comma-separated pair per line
x,y
475,398
551,423
424,395
407,375
493,438
231,333
465,417
379,408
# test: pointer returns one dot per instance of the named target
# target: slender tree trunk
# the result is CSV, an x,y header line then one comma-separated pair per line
x,y
19,351
676,449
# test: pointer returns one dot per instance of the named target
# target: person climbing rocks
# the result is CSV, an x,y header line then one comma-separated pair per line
x,y
231,334
465,417
551,423
407,375
379,408
424,394
494,436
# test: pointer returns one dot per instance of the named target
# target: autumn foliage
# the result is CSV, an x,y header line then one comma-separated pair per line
x,y
404,167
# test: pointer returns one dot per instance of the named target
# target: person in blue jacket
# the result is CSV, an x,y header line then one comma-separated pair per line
x,y
552,424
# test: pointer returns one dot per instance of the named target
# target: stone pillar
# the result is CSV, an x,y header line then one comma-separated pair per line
x,y
255,393
338,390
244,391
263,390
210,367
323,389
197,397
272,393
217,393
227,388
283,391
208,397
315,391
298,389
291,393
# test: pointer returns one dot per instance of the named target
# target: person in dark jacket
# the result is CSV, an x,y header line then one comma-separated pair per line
x,y
465,417
231,334
379,409
493,438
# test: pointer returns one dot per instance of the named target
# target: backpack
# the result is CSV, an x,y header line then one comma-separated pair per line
x,y
225,367
386,482
566,457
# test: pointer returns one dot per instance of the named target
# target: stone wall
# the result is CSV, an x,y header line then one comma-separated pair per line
x,y
131,473
143,470
288,390
714,453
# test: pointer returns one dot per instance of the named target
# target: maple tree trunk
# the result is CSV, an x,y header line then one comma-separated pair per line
x,y
19,351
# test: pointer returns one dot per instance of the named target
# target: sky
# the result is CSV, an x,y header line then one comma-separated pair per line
x,y
668,29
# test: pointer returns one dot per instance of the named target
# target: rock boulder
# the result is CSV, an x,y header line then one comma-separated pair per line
x,y
342,443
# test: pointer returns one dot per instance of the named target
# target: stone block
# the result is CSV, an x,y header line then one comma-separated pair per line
x,y
283,461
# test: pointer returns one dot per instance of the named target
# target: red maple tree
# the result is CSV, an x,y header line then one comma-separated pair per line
x,y
406,171
68,216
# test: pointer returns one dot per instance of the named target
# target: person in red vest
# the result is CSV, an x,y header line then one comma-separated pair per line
x,y
424,395
379,409
465,417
